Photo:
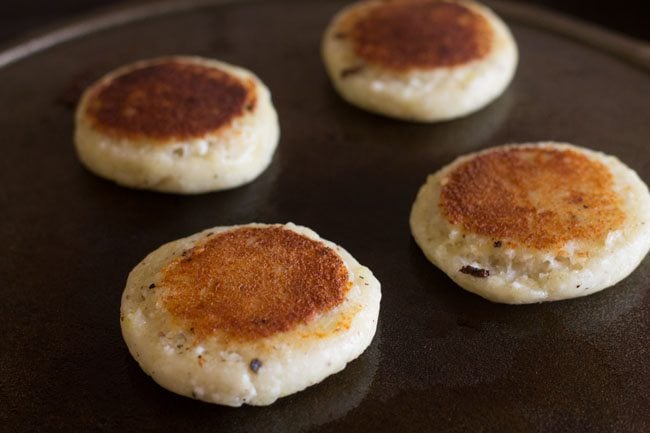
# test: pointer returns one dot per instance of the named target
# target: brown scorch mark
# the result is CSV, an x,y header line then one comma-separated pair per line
x,y
533,196
251,283
419,34
169,100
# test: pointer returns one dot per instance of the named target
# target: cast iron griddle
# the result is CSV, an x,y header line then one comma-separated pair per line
x,y
443,359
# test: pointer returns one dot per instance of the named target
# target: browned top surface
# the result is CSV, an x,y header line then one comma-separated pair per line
x,y
253,282
169,100
410,34
538,197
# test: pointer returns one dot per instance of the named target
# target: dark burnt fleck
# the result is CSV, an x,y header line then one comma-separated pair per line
x,y
475,272
498,244
152,286
255,365
585,206
353,70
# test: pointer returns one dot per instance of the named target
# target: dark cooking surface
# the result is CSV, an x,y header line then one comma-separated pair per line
x,y
443,359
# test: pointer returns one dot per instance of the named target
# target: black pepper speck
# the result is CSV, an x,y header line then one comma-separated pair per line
x,y
255,365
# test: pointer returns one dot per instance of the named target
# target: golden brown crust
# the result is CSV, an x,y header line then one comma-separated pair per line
x,y
169,100
252,283
538,197
411,34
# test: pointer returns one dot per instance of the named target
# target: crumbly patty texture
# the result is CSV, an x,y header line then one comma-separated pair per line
x,y
534,222
177,124
419,60
248,314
